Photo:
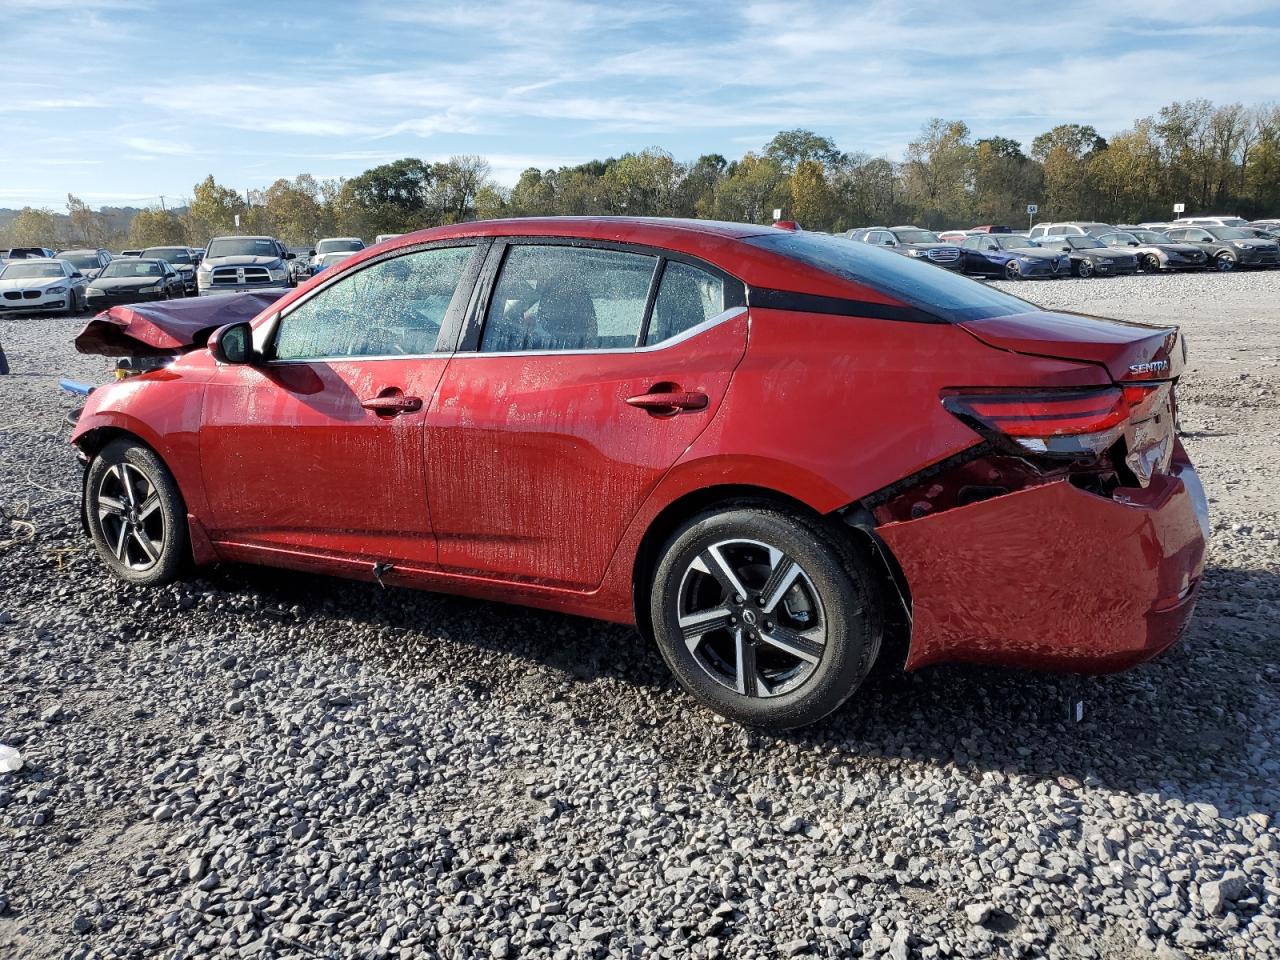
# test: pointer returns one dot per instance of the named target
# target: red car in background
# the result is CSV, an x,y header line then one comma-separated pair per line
x,y
764,447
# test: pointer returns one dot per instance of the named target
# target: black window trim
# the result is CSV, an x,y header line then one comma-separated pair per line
x,y
735,292
449,327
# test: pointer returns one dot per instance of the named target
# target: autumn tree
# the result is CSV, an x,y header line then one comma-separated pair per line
x,y
87,227
34,227
936,173
750,190
213,210
156,228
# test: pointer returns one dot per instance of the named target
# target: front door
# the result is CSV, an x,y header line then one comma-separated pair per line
x,y
319,448
594,369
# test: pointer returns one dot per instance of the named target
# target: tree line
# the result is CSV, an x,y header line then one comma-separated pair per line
x,y
1212,158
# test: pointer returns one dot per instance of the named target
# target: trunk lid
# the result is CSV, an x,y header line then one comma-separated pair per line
x,y
1130,352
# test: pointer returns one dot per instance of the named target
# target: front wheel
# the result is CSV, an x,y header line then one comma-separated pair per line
x,y
1012,271
135,514
1224,263
1084,269
1150,263
764,616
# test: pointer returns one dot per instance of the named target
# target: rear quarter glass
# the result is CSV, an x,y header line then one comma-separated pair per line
x,y
942,294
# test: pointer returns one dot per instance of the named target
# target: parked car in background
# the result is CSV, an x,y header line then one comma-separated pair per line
x,y
386,236
953,236
1210,221
197,254
89,261
323,261
1272,225
1011,258
134,280
333,245
911,242
989,228
1091,257
232,264
1076,228
30,253
1262,233
130,253
1155,251
1228,247
582,449
182,262
30,284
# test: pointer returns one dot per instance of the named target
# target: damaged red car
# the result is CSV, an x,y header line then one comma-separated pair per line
x,y
772,451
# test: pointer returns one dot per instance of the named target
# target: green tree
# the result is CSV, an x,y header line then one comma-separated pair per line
x,y
812,202
156,228
456,185
790,148
644,184
34,227
394,197
295,210
937,173
750,190
213,210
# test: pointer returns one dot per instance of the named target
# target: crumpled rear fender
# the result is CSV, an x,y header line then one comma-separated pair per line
x,y
1054,577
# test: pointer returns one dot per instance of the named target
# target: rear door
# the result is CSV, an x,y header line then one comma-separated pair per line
x,y
585,371
319,448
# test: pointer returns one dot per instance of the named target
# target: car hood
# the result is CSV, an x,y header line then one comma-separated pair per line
x,y
33,283
164,329
245,261
1129,351
125,283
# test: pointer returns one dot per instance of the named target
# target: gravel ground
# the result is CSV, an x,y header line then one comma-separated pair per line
x,y
263,764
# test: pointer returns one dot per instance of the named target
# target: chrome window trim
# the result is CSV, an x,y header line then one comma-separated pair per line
x,y
722,317
356,358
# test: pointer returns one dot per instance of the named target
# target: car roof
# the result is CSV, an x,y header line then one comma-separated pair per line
x,y
242,236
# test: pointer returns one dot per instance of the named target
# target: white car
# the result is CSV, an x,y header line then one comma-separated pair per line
x,y
1070,228
386,236
322,260
330,245
1211,221
30,285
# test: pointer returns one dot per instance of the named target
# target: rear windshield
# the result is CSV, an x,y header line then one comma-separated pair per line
x,y
932,289
339,246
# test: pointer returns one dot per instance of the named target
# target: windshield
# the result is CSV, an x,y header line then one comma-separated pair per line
x,y
1014,243
172,254
132,268
31,271
81,261
339,246
243,247
1082,243
1231,233
940,293
916,236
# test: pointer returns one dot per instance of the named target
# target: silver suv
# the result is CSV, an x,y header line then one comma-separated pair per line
x,y
232,264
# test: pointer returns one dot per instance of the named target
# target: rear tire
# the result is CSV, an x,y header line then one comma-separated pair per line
x,y
764,616
136,515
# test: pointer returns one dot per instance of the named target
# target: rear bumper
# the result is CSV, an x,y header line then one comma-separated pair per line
x,y
1055,578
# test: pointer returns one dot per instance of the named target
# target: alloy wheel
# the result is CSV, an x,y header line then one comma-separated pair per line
x,y
130,517
751,618
1012,271
1085,269
1225,263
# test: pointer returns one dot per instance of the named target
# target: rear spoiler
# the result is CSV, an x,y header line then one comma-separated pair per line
x,y
168,328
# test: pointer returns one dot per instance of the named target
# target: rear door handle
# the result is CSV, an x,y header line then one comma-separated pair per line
x,y
392,405
668,403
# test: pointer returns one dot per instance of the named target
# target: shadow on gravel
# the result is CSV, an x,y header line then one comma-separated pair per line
x,y
1181,726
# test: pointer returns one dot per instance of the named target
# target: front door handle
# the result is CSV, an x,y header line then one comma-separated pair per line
x,y
389,406
667,403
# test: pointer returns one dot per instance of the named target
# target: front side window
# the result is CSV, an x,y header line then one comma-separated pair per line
x,y
567,298
391,308
687,296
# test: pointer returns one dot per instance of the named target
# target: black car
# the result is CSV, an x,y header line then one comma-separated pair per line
x,y
1155,251
1011,257
181,260
1091,257
912,242
1229,247
134,280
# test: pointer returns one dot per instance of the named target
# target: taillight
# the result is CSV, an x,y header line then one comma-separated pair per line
x,y
1057,423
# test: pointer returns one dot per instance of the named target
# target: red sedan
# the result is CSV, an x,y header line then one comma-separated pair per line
x,y
766,448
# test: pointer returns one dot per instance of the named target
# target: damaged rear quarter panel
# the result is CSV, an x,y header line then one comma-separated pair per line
x,y
1051,577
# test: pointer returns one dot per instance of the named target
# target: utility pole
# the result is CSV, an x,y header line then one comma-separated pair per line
x,y
162,206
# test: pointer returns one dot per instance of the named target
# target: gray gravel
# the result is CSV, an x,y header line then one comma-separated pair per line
x,y
263,764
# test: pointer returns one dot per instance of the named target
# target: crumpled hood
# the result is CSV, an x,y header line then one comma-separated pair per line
x,y
239,261
171,327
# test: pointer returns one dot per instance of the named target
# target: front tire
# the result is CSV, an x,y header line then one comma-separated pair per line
x,y
1224,263
1150,263
1084,269
764,616
136,515
1012,271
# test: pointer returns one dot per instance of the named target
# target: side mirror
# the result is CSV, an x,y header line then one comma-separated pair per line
x,y
992,246
77,273
311,253
888,243
232,343
290,256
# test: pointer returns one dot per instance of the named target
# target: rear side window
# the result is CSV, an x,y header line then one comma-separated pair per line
x,y
392,308
567,298
687,297
932,290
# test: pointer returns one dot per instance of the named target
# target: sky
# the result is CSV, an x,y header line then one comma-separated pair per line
x,y
124,101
